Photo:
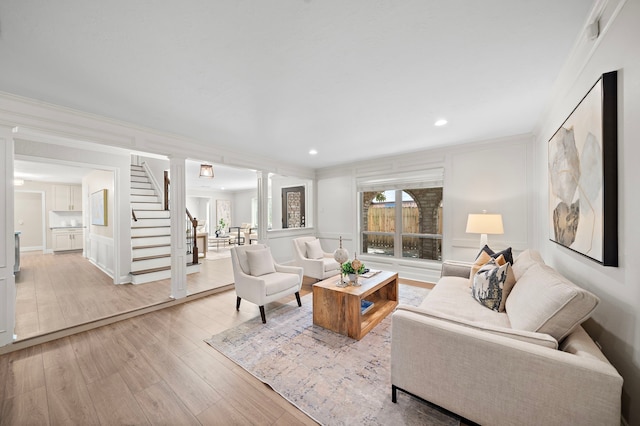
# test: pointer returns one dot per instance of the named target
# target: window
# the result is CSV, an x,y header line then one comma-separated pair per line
x,y
402,222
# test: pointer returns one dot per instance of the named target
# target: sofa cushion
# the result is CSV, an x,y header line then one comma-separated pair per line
x,y
524,261
330,264
260,262
452,296
314,249
546,302
492,284
279,281
524,336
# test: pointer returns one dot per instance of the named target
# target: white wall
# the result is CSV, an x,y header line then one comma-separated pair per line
x,y
241,211
616,321
494,175
100,242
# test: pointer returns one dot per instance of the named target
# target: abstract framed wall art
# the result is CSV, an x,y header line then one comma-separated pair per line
x,y
99,208
223,211
583,176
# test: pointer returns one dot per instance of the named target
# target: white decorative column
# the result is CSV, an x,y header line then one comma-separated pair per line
x,y
7,240
263,205
178,206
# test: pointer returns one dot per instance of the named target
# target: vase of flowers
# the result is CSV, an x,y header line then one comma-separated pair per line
x,y
353,269
220,227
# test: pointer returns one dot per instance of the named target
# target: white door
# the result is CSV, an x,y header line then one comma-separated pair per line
x,y
7,236
28,219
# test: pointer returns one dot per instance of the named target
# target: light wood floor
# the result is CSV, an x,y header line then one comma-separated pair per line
x,y
151,369
56,291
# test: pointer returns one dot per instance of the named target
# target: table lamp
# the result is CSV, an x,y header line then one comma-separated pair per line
x,y
484,224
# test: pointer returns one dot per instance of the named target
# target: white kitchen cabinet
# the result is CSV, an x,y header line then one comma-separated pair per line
x,y
64,239
67,197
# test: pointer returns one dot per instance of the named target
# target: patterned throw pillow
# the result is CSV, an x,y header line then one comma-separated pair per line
x,y
481,260
492,285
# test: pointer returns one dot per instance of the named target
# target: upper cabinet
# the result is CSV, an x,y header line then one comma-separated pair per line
x,y
67,197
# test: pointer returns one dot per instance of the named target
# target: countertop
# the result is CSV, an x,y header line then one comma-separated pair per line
x,y
68,227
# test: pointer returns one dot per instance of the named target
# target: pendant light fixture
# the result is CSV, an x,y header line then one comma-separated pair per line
x,y
206,171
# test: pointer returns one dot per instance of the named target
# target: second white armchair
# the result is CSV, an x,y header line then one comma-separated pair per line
x,y
310,256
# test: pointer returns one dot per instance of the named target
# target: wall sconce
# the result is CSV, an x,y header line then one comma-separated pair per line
x,y
206,171
484,224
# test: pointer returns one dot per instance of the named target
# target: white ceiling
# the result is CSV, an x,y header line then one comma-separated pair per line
x,y
351,78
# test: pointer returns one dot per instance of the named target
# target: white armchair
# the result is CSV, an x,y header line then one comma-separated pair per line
x,y
259,279
239,234
316,263
250,234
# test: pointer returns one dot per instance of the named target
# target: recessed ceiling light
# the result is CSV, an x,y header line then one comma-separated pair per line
x,y
440,122
313,152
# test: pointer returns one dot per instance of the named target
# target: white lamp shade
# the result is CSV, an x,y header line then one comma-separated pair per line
x,y
485,224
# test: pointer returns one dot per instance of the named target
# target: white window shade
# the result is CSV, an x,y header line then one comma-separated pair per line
x,y
430,178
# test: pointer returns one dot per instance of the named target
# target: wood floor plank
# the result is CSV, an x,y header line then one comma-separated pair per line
x,y
95,363
163,407
68,396
23,372
165,335
57,352
29,408
114,402
192,390
294,418
223,414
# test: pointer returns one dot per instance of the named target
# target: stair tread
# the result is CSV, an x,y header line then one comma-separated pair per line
x,y
151,246
160,269
150,236
149,271
157,256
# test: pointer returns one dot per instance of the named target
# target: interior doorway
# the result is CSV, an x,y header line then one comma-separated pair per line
x,y
29,219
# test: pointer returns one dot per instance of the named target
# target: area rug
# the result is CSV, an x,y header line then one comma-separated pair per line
x,y
332,378
218,253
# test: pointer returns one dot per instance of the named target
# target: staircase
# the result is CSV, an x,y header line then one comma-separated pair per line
x,y
150,232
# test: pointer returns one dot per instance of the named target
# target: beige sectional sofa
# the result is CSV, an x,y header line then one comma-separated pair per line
x,y
531,365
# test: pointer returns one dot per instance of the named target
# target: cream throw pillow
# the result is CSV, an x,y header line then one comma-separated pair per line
x,y
260,262
544,301
314,249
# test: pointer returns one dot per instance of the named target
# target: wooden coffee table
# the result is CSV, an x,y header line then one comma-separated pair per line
x,y
338,309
